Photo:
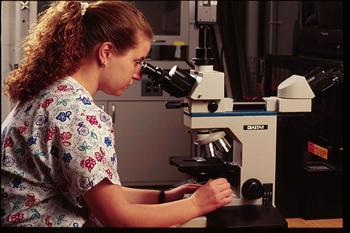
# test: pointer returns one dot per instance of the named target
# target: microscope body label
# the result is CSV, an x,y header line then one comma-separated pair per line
x,y
255,127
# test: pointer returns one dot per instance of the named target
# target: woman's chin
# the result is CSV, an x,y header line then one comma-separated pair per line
x,y
115,93
119,93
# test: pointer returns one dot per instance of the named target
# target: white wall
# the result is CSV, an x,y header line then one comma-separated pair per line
x,y
6,52
16,16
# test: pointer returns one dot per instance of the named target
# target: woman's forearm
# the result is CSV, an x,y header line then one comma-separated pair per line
x,y
141,196
160,215
108,204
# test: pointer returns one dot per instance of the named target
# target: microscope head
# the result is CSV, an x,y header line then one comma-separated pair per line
x,y
175,82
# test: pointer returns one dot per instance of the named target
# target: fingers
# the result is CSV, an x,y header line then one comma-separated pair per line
x,y
222,189
226,185
214,194
219,184
219,181
225,193
226,200
193,185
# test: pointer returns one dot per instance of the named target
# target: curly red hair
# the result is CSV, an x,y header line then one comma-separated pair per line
x,y
55,45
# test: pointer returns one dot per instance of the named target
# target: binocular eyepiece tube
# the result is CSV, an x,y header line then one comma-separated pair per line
x,y
175,82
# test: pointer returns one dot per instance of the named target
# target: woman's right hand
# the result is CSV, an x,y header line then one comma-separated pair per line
x,y
212,195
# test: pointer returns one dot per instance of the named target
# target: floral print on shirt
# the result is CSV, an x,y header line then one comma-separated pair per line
x,y
54,149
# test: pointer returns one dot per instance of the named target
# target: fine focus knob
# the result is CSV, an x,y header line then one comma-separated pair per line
x,y
212,106
252,189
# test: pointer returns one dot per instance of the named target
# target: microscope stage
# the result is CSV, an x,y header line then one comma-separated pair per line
x,y
207,169
189,164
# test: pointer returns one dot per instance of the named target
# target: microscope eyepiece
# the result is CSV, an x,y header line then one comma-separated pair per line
x,y
176,82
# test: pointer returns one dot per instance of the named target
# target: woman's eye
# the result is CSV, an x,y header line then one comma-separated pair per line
x,y
139,61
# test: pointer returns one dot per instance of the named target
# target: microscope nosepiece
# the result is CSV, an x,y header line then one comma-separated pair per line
x,y
211,144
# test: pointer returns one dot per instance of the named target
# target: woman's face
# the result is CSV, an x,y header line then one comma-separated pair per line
x,y
121,70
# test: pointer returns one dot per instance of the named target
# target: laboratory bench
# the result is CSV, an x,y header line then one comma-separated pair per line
x,y
315,223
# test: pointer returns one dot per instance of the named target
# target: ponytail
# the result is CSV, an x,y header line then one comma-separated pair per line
x,y
52,50
64,34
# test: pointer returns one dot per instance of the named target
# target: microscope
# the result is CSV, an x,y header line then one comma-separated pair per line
x,y
232,139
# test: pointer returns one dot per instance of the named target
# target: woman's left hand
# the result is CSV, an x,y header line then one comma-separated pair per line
x,y
179,192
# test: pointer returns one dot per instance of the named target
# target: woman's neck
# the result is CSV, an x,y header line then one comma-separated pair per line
x,y
87,76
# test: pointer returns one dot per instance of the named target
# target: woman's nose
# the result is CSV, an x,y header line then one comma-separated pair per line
x,y
137,74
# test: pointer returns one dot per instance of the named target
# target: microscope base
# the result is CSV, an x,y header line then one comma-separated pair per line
x,y
246,217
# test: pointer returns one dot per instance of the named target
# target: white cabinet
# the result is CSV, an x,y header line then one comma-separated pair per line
x,y
146,135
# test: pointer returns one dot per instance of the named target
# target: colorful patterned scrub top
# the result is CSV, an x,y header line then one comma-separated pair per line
x,y
54,149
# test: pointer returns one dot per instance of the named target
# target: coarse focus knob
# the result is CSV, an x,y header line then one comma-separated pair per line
x,y
252,189
212,106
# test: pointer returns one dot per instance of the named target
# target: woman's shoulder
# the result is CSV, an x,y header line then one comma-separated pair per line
x,y
66,99
66,93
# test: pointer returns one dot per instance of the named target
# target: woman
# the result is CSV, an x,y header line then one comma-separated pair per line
x,y
58,162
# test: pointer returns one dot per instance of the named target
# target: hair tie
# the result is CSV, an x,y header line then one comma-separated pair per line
x,y
84,6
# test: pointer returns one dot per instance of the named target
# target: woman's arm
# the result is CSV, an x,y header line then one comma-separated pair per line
x,y
141,196
111,207
147,196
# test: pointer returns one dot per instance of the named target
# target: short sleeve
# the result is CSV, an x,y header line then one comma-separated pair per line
x,y
85,148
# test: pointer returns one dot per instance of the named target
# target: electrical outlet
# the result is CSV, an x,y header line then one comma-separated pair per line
x,y
148,89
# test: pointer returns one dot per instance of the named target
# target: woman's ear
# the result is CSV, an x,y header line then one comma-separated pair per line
x,y
104,52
